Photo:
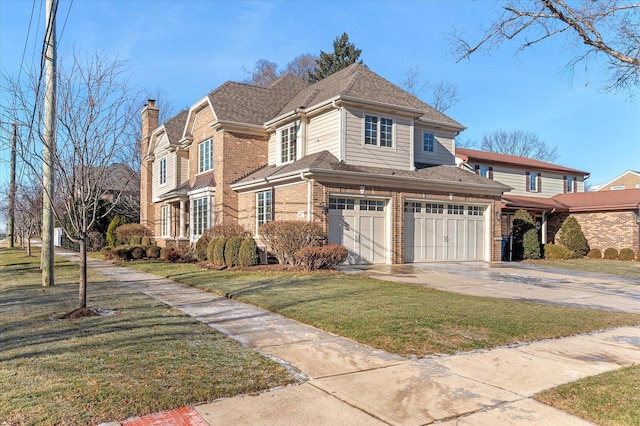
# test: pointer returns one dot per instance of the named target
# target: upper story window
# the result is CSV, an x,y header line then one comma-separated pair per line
x,y
263,207
571,184
378,131
534,183
428,142
288,144
205,156
163,170
484,171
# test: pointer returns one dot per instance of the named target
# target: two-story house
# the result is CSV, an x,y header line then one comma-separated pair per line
x,y
376,167
627,180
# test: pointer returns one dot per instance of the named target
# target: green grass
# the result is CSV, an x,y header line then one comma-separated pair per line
x,y
611,398
146,358
399,318
613,267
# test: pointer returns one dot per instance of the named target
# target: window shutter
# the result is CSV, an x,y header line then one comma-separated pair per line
x,y
539,186
564,184
490,172
476,168
528,184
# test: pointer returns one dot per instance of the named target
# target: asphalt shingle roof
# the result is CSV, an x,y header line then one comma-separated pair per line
x,y
175,126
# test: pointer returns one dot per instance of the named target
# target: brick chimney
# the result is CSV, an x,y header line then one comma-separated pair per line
x,y
150,115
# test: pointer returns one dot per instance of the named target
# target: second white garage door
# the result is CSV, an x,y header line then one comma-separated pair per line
x,y
361,226
443,232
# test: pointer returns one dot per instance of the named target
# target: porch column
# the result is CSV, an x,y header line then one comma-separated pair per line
x,y
182,208
544,228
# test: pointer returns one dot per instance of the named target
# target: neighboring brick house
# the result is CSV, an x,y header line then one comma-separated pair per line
x,y
375,166
627,180
551,193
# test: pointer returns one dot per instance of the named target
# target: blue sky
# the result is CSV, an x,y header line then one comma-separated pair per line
x,y
187,48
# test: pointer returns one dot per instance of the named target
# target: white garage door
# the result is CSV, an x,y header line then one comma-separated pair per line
x,y
442,231
360,226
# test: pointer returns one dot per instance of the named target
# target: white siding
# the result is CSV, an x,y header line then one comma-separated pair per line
x,y
323,133
160,151
358,153
272,149
552,183
444,143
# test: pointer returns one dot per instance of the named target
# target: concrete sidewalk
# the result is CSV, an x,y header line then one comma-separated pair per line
x,y
353,384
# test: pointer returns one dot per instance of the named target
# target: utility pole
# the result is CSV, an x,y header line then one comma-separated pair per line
x,y
11,225
49,147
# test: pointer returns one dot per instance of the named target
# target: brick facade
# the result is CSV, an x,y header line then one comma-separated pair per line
x,y
150,115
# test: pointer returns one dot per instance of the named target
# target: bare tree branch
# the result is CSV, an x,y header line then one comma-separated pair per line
x,y
520,143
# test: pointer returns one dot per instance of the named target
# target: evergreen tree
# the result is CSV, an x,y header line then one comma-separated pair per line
x,y
522,222
572,237
344,54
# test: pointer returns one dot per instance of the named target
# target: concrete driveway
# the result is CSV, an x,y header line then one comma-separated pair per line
x,y
519,281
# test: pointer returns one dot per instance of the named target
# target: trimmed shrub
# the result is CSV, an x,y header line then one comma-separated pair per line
x,y
171,255
107,252
555,252
146,241
531,245
626,254
201,247
232,251
610,254
572,237
321,257
112,237
285,238
153,252
218,252
211,248
227,230
121,253
137,252
135,240
128,230
248,255
594,254
522,222
95,241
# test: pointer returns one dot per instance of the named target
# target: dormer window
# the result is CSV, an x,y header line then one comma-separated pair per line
x,y
288,144
428,143
378,131
205,156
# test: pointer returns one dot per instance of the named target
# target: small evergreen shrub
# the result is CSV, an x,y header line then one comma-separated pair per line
x,y
112,237
232,251
626,254
594,254
321,257
218,252
556,252
285,238
248,255
128,230
121,253
201,247
522,222
153,252
531,245
211,248
146,241
138,252
135,240
572,237
171,255
610,254
107,252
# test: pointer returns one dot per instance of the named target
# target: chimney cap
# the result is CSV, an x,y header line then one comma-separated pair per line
x,y
151,102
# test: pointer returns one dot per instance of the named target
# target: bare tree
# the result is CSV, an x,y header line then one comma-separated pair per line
x,y
28,212
593,28
303,65
95,107
441,95
520,143
264,73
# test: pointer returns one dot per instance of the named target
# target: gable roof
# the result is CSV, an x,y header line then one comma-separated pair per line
x,y
245,103
357,82
604,185
466,154
175,126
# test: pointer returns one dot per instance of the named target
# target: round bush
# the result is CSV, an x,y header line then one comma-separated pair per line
x,y
137,252
146,241
232,251
626,254
135,240
594,254
107,252
248,255
121,253
218,252
211,248
153,252
553,251
610,254
201,247
171,255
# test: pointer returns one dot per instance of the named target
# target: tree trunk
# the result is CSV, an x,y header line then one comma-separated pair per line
x,y
82,291
28,247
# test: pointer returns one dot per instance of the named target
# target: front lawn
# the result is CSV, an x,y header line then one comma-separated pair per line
x,y
613,267
145,358
399,318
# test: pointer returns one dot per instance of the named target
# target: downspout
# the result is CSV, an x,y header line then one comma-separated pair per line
x,y
309,187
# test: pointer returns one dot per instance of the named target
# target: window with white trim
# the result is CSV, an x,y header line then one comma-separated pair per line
x,y
205,156
378,131
263,207
475,211
342,204
533,182
618,187
455,209
165,221
412,207
372,205
571,183
199,216
428,142
434,208
163,170
288,144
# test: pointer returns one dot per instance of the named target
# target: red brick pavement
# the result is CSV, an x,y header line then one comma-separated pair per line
x,y
185,416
